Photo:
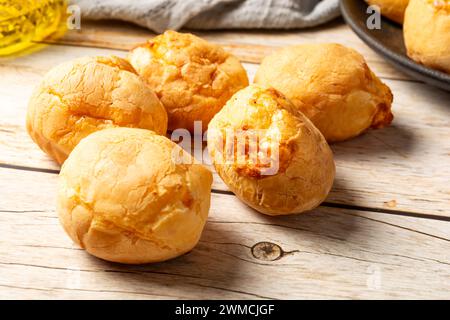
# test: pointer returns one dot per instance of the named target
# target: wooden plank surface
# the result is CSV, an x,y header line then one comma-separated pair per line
x,y
329,253
384,231
249,45
411,152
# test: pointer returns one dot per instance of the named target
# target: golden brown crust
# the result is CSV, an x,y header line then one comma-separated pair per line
x,y
193,78
123,198
304,163
88,94
332,85
392,9
427,33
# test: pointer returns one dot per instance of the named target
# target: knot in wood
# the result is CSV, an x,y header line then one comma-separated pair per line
x,y
267,251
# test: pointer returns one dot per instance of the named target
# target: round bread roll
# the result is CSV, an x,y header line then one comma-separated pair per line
x,y
192,77
123,198
392,9
427,33
89,94
332,85
269,154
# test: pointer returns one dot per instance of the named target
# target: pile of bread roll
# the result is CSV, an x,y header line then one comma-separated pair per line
x,y
124,197
426,29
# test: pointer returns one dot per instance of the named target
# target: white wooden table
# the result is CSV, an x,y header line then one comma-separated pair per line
x,y
384,231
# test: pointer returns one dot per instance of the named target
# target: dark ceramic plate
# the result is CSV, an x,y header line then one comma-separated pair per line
x,y
388,41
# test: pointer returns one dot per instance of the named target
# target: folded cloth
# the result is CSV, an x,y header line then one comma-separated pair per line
x,y
160,15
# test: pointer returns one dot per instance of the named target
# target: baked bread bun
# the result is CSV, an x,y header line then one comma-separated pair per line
x,y
192,77
269,154
88,94
332,85
123,198
391,9
427,33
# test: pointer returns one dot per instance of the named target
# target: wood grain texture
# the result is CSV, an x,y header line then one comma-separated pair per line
x,y
249,46
364,242
329,253
400,168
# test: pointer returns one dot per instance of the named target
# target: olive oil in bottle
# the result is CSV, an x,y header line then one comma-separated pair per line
x,y
24,22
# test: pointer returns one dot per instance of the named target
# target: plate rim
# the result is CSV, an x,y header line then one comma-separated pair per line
x,y
441,79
